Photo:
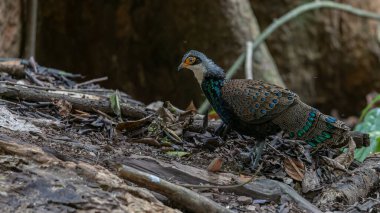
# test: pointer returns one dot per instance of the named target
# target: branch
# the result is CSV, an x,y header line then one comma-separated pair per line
x,y
187,198
248,61
77,100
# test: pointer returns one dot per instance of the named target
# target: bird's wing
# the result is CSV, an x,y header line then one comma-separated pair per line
x,y
255,101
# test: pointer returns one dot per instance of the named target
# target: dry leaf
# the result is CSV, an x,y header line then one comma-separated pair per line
x,y
191,107
311,181
294,168
147,141
215,165
244,178
64,107
133,125
334,164
346,158
166,115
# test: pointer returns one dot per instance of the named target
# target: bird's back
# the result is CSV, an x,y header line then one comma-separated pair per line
x,y
258,106
255,101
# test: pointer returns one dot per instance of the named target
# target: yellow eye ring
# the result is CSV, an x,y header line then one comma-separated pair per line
x,y
190,60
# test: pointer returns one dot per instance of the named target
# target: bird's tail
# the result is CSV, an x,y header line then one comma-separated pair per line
x,y
304,122
361,139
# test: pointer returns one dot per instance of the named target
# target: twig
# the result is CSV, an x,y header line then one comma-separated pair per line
x,y
33,78
224,187
284,19
53,71
91,81
248,61
187,198
104,114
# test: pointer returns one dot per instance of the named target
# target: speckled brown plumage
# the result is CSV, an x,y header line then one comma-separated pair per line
x,y
260,109
255,101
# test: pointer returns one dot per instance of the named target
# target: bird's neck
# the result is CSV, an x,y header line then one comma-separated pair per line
x,y
212,88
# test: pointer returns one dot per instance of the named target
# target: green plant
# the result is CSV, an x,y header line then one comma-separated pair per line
x,y
371,125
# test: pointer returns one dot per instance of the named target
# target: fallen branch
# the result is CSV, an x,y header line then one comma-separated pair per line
x,y
354,186
190,200
260,188
85,104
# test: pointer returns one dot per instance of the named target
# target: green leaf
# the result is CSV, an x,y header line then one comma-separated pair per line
x,y
115,103
370,125
368,107
178,153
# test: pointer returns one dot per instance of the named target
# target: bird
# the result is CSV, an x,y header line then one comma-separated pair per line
x,y
259,109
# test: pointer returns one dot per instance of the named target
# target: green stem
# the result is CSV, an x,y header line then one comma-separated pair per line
x,y
285,18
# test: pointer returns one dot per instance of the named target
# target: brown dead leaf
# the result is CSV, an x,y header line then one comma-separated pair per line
x,y
215,165
244,178
133,125
191,107
311,181
64,107
294,168
346,158
334,164
147,141
166,115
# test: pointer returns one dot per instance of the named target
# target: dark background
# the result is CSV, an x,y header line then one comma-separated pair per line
x,y
329,57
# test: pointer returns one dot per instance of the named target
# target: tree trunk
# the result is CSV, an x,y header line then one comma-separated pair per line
x,y
10,28
329,57
139,44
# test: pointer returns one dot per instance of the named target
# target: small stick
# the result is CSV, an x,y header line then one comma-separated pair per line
x,y
91,81
193,201
248,61
223,187
33,78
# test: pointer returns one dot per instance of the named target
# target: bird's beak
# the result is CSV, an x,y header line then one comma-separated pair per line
x,y
182,66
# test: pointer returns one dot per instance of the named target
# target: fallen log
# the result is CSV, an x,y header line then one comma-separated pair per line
x,y
76,99
354,185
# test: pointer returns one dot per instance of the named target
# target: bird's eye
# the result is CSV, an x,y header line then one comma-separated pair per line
x,y
190,60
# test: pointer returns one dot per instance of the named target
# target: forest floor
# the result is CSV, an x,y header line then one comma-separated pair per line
x,y
57,155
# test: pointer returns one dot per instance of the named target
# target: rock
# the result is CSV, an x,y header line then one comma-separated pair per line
x,y
251,208
243,200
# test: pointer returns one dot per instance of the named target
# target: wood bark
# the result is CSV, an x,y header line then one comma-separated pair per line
x,y
142,42
81,103
329,57
10,28
353,186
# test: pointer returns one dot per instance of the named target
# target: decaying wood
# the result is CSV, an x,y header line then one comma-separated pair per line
x,y
353,186
36,95
190,200
13,68
59,186
260,188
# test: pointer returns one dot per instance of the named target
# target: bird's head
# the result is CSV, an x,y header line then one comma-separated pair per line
x,y
201,66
